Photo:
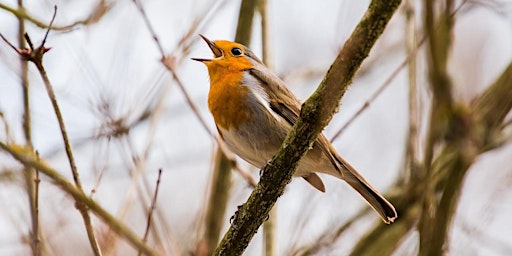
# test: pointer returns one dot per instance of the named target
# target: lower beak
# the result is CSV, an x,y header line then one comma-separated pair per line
x,y
217,52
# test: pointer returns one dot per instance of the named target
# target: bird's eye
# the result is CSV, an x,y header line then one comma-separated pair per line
x,y
236,51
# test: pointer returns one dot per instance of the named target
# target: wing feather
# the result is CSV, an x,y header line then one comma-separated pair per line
x,y
286,105
282,101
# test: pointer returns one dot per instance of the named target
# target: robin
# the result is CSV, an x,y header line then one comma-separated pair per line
x,y
254,111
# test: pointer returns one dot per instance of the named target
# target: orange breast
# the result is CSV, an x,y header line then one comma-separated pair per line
x,y
228,99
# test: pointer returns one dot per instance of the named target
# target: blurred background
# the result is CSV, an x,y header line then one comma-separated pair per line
x,y
127,118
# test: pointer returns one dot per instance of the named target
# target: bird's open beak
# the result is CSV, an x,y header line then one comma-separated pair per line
x,y
217,52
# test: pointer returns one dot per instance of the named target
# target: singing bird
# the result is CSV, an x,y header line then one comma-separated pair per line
x,y
254,111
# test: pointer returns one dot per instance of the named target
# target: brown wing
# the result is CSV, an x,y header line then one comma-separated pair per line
x,y
285,104
288,107
282,101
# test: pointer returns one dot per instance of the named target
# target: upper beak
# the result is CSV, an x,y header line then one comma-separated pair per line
x,y
217,52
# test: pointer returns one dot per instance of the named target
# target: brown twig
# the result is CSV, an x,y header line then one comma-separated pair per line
x,y
27,157
35,55
183,48
245,19
24,81
37,242
31,183
327,239
6,126
139,6
412,145
216,205
170,63
151,209
98,12
438,27
269,226
410,58
371,99
135,172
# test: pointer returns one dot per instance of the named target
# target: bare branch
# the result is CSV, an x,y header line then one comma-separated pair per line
x,y
27,157
30,175
11,45
98,12
151,209
269,226
245,19
217,202
170,63
35,55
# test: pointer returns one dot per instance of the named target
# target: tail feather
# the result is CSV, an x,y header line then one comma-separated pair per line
x,y
382,206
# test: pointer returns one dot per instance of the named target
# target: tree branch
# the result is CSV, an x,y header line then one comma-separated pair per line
x,y
245,19
478,133
217,202
29,174
27,157
97,13
494,104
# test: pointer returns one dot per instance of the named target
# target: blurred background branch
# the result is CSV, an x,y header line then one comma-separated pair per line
x,y
101,8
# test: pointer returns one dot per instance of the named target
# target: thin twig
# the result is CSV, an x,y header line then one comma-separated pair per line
x,y
327,239
269,226
183,48
139,165
31,182
36,182
27,157
218,197
367,103
411,158
35,55
379,90
411,56
149,26
98,12
10,44
151,209
6,126
265,34
134,172
170,63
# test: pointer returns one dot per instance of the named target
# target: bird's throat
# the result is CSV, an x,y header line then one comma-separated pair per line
x,y
228,99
